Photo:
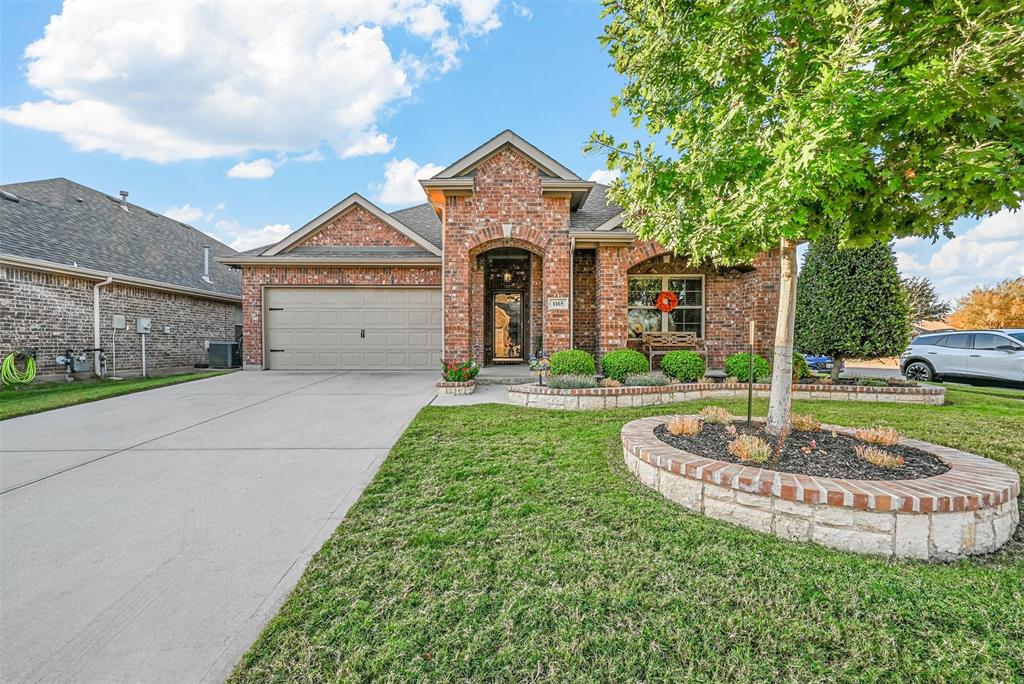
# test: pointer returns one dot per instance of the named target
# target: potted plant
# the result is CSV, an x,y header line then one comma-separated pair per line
x,y
458,376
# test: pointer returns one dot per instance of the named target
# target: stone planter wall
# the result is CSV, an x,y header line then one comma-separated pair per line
x,y
970,509
621,397
445,387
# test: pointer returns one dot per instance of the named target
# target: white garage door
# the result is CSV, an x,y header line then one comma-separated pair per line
x,y
353,328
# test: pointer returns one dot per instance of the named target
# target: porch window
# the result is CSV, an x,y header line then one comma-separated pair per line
x,y
688,316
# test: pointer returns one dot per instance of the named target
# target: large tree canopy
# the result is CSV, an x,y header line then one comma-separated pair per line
x,y
780,119
773,122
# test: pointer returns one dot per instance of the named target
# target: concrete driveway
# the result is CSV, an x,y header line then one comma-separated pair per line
x,y
149,537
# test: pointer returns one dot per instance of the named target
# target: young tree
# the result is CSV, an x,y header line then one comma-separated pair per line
x,y
772,122
923,301
850,303
999,306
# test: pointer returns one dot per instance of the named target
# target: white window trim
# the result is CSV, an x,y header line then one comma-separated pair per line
x,y
664,286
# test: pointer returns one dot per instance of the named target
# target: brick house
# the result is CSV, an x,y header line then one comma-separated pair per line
x,y
512,252
60,242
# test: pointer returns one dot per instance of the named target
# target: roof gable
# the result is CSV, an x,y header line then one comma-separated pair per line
x,y
350,203
507,138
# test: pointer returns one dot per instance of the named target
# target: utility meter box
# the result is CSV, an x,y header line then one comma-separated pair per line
x,y
118,322
144,326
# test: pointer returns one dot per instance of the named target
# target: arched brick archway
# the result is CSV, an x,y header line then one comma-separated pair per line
x,y
506,194
481,288
478,247
464,289
644,251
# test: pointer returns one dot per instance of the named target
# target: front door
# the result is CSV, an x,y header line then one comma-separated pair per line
x,y
507,331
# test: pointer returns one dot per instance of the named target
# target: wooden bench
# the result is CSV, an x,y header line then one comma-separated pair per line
x,y
660,343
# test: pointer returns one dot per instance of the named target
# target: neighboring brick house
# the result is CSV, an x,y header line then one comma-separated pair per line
x,y
61,241
511,252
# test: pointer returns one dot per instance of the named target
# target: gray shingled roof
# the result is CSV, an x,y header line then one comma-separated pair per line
x,y
595,211
66,223
422,219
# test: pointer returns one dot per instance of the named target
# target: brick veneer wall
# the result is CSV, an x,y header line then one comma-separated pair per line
x,y
584,293
52,312
731,298
506,190
255,277
358,228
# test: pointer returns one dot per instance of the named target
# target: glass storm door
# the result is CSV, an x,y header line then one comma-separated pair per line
x,y
508,326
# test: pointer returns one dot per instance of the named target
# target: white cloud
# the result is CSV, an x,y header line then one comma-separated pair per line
x,y
258,168
400,184
368,142
241,239
186,213
991,251
194,80
603,176
522,10
447,48
311,156
479,16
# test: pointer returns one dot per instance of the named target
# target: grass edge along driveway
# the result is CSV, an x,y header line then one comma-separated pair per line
x,y
500,543
38,397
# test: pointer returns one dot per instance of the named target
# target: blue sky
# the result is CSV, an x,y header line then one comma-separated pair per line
x,y
248,120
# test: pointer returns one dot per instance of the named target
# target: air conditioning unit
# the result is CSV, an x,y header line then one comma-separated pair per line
x,y
224,355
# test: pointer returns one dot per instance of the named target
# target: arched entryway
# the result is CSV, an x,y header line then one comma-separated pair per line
x,y
511,310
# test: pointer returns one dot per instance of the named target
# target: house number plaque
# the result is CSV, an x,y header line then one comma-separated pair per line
x,y
558,303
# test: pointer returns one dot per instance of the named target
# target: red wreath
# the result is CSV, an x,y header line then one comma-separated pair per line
x,y
666,301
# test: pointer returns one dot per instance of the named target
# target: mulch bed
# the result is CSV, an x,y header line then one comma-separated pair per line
x,y
829,456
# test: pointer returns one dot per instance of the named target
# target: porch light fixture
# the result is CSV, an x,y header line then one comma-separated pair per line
x,y
507,276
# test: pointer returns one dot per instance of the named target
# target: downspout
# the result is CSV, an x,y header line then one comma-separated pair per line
x,y
572,282
96,323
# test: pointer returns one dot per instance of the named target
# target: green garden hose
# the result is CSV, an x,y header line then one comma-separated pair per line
x,y
9,370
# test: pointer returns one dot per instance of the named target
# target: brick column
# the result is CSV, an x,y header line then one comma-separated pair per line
x,y
456,302
557,270
611,298
536,303
477,305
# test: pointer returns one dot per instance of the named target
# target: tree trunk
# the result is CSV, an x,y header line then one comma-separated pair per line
x,y
837,367
782,368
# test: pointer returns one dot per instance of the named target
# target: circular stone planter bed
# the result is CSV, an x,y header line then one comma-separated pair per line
x,y
968,506
622,397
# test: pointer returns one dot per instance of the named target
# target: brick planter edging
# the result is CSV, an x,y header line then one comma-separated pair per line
x,y
445,387
970,509
622,397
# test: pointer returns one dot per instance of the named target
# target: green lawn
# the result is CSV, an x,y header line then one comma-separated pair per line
x,y
502,544
44,396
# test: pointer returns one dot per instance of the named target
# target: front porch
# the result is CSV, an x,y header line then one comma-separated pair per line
x,y
518,293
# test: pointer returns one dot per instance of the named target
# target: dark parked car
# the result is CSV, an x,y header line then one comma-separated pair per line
x,y
982,354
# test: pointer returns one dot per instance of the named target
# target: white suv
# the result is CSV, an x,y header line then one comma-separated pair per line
x,y
989,354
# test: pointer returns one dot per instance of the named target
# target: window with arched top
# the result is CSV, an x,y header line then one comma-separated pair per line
x,y
643,316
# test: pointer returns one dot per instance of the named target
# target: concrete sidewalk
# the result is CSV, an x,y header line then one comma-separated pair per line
x,y
149,537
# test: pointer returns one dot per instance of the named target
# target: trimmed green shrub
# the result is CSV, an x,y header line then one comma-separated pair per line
x,y
572,362
684,366
738,366
621,362
646,380
572,382
801,371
